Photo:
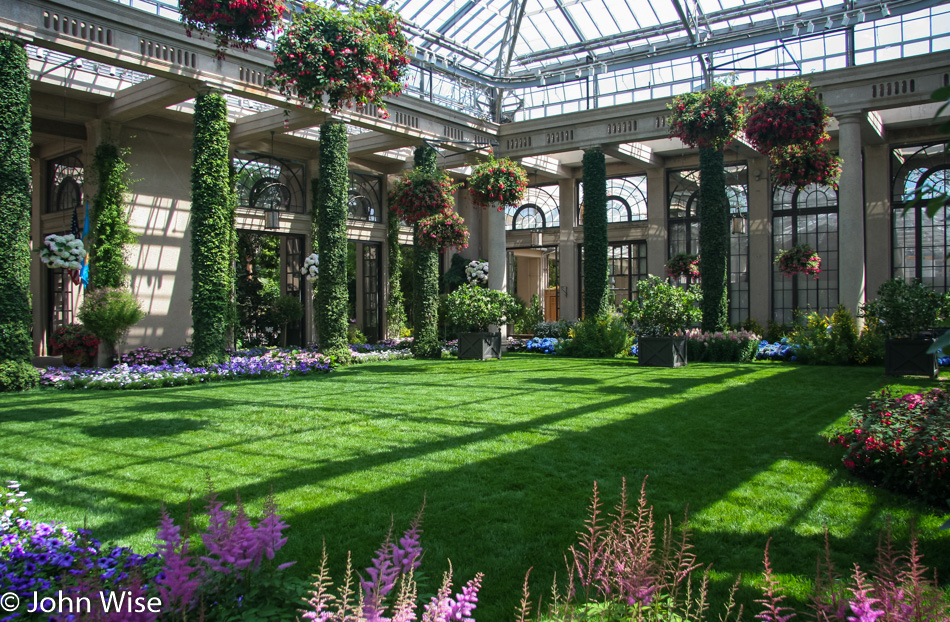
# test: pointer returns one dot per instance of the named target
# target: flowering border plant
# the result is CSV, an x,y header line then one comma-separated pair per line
x,y
476,272
801,259
234,23
73,339
419,194
683,265
311,268
472,309
802,165
498,182
442,231
788,113
353,59
709,118
62,251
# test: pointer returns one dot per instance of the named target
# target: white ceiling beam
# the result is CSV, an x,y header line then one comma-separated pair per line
x,y
145,98
634,153
260,125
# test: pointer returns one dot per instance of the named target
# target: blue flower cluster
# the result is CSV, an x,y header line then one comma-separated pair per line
x,y
778,351
543,345
635,350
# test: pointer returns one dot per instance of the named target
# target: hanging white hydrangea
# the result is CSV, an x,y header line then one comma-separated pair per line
x,y
477,272
63,251
311,268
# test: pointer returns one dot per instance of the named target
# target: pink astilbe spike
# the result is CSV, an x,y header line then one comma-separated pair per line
x,y
524,607
382,578
320,596
862,603
589,554
773,611
217,537
178,581
408,555
827,602
443,608
269,531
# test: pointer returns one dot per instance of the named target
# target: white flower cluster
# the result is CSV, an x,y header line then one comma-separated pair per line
x,y
311,268
477,272
62,251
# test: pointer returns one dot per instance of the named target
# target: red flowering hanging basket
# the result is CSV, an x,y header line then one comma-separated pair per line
x,y
790,113
801,259
498,182
442,231
803,165
683,265
233,23
709,118
352,59
419,194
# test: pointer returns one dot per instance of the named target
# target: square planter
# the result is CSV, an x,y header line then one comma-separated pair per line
x,y
908,357
480,346
662,351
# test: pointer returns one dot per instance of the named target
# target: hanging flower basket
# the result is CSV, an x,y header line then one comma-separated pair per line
x,y
790,113
443,230
498,182
311,268
352,59
476,272
803,165
801,259
62,251
233,23
683,265
418,194
709,118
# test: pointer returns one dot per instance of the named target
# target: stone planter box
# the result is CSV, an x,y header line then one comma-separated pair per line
x,y
909,357
662,351
480,346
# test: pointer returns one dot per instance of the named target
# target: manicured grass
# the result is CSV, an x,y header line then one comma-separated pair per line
x,y
505,453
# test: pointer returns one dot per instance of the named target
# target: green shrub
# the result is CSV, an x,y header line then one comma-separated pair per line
x,y
18,376
527,316
471,308
109,312
903,309
730,346
558,330
827,340
776,332
870,347
751,325
605,336
662,309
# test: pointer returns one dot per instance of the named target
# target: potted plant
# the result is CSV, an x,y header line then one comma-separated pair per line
x,y
660,315
472,309
906,312
790,113
419,193
76,344
443,230
800,259
683,265
109,312
498,182
803,165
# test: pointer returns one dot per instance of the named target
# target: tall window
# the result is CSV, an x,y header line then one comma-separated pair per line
x,y
805,216
268,183
626,266
365,197
920,242
372,309
539,210
65,176
626,199
683,218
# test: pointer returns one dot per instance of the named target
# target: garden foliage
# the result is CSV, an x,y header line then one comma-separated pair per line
x,y
16,316
661,309
731,346
110,228
595,232
904,309
602,336
714,239
901,443
109,312
332,305
395,303
18,376
213,203
527,315
426,282
558,330
471,308
707,119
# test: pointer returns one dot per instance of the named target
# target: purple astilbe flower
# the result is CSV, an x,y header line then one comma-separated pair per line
x,y
270,533
408,555
443,608
217,538
176,583
382,578
861,602
773,610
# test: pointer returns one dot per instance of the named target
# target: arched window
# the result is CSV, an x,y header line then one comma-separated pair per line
x,y
365,198
265,182
66,176
626,199
805,216
539,210
920,242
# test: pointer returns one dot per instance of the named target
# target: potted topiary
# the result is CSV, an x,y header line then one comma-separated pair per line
x,y
109,312
472,309
906,313
76,344
660,315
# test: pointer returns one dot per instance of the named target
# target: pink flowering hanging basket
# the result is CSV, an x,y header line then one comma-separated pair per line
x,y
498,182
442,231
232,23
801,259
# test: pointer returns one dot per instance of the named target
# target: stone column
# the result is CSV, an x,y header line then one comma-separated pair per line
x,y
760,242
657,240
493,243
851,267
360,287
877,214
569,289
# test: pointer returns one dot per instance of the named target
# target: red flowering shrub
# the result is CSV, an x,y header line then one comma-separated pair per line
x,y
234,23
902,443
443,230
418,194
709,118
502,182
683,264
801,259
354,59
73,339
790,113
802,165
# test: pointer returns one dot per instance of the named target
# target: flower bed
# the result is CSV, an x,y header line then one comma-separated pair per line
x,y
902,443
779,351
731,346
148,356
542,345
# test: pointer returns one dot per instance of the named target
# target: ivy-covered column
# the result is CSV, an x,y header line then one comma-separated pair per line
x,y
331,240
111,231
15,312
595,233
425,342
212,224
395,309
713,239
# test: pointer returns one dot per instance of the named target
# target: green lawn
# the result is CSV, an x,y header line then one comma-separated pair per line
x,y
505,452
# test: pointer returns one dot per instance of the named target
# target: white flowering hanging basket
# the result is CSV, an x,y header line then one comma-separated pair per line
x,y
63,251
311,268
477,273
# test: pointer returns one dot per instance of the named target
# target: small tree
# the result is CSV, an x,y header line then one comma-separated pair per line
x,y
111,231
